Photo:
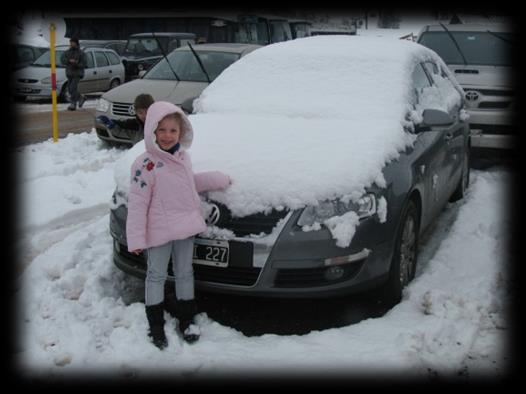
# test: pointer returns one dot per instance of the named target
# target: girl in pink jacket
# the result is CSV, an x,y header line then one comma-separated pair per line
x,y
164,215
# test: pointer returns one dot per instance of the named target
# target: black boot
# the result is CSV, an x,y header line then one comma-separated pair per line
x,y
185,311
155,316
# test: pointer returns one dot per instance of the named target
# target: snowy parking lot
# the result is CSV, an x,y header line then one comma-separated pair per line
x,y
451,321
80,315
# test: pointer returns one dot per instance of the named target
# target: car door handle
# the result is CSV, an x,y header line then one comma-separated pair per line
x,y
111,71
94,72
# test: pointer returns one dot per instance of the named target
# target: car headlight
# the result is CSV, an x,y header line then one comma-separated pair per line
x,y
365,207
103,105
46,81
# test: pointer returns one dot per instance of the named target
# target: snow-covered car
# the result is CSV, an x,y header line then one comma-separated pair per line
x,y
104,71
342,151
480,56
179,80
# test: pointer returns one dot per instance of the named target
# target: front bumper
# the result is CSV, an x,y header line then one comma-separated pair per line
x,y
492,129
283,268
116,134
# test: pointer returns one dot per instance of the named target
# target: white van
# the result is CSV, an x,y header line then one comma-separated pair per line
x,y
480,56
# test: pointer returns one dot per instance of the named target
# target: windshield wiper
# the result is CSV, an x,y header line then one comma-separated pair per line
x,y
200,63
165,57
501,38
456,44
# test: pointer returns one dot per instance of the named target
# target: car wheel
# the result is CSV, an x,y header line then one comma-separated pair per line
x,y
64,96
114,83
463,183
404,260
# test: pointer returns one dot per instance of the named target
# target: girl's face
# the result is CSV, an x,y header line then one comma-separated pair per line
x,y
168,132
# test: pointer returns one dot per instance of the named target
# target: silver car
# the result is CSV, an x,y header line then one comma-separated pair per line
x,y
480,57
180,80
104,71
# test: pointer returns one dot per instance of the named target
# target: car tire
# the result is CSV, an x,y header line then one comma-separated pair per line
x,y
405,256
64,94
463,182
114,83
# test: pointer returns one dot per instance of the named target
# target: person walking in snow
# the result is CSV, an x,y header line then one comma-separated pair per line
x,y
134,126
164,215
74,59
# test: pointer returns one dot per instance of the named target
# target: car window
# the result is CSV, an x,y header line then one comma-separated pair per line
x,y
144,46
113,58
101,60
24,54
44,59
117,47
420,81
187,68
479,48
89,60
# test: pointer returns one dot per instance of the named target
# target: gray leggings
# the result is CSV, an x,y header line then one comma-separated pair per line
x,y
158,257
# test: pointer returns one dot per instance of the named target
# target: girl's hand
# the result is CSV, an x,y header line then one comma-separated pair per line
x,y
137,251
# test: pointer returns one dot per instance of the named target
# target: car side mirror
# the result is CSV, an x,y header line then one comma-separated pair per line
x,y
433,117
141,73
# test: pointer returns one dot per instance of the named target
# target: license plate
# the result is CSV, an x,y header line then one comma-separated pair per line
x,y
211,252
25,90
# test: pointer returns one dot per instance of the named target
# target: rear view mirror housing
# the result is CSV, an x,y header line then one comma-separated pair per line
x,y
433,118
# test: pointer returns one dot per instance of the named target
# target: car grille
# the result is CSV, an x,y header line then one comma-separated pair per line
x,y
25,80
244,276
122,109
252,224
494,129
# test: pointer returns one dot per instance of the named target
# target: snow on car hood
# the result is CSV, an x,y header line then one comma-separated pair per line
x,y
302,121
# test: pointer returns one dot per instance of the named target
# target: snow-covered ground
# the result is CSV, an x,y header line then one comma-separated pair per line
x,y
450,321
76,318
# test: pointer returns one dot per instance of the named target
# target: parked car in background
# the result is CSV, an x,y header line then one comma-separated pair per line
x,y
104,71
23,55
143,50
178,79
480,56
342,151
117,45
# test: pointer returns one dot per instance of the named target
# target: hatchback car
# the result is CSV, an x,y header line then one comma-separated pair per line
x,y
342,150
104,71
180,80
480,56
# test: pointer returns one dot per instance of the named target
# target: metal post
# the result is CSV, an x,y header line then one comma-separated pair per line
x,y
54,113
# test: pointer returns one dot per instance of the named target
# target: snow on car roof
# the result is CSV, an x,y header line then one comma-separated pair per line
x,y
301,121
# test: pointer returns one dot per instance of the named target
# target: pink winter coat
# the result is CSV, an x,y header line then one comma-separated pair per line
x,y
163,204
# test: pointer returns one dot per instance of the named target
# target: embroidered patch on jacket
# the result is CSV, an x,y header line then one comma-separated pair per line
x,y
149,165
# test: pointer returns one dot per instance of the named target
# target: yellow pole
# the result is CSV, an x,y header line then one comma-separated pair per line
x,y
54,112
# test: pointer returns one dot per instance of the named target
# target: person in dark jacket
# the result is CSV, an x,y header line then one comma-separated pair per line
x,y
74,59
134,127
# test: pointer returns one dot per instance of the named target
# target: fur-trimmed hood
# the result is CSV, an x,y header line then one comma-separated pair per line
x,y
156,112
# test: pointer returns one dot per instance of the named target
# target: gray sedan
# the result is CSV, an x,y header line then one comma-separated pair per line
x,y
304,254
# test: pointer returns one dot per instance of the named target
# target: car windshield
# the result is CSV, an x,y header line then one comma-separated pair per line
x,y
185,65
144,46
479,48
45,59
